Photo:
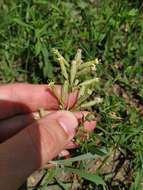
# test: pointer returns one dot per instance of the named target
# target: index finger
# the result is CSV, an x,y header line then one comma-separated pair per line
x,y
25,98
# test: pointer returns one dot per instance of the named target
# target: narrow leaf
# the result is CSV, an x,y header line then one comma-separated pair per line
x,y
95,178
21,23
73,72
82,157
48,68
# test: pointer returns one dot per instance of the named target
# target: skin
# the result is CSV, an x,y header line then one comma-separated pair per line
x,y
28,144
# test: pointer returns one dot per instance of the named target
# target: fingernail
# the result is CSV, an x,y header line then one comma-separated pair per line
x,y
65,154
69,124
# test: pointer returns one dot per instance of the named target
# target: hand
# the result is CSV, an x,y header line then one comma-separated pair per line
x,y
28,144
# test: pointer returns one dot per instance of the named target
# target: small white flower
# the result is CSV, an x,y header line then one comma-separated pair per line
x,y
89,91
98,100
96,61
93,67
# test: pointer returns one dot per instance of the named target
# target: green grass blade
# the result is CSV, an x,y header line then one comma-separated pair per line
x,y
95,178
82,157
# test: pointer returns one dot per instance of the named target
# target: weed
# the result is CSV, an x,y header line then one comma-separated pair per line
x,y
111,31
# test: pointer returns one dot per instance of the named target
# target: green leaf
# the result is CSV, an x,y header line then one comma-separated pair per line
x,y
137,181
95,178
39,32
82,4
21,23
133,12
43,2
38,47
51,173
82,157
48,68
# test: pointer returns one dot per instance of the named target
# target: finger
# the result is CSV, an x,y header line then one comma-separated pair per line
x,y
88,125
65,154
11,126
56,127
32,147
22,98
71,145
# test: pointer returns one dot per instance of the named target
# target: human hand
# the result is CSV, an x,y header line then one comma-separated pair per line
x,y
28,144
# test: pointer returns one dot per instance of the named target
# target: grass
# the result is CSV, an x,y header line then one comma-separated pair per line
x,y
109,30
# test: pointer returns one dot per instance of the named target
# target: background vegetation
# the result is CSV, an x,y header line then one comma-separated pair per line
x,y
107,29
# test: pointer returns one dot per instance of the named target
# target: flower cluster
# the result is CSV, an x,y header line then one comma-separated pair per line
x,y
73,74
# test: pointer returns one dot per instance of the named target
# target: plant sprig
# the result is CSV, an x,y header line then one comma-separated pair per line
x,y
72,73
74,80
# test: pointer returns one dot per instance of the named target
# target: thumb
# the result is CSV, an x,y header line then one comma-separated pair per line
x,y
34,146
55,130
